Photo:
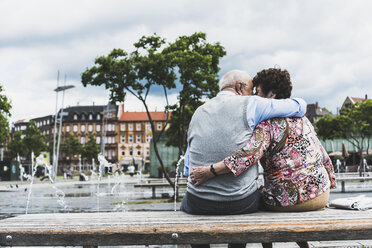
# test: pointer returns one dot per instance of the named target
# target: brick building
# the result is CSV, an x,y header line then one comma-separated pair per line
x,y
135,135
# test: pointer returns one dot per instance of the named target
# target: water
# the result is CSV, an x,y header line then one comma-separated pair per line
x,y
176,181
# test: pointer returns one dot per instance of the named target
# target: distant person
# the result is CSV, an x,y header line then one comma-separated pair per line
x,y
131,170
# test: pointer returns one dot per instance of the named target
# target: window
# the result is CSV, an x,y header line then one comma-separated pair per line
x,y
130,127
82,140
109,115
138,126
122,139
131,152
68,128
98,140
90,117
75,128
82,128
98,128
75,117
83,117
48,122
122,127
90,128
122,153
148,127
138,138
98,117
138,152
131,138
148,138
159,126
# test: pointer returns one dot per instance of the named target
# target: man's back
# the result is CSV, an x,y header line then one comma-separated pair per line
x,y
217,129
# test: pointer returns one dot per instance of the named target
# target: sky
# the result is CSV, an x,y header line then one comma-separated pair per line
x,y
325,45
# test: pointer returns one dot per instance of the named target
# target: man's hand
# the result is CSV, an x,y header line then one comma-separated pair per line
x,y
200,175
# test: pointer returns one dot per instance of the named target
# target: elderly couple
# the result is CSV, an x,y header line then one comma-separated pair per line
x,y
231,132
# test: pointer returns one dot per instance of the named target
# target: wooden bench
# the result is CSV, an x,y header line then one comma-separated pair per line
x,y
157,185
169,227
343,180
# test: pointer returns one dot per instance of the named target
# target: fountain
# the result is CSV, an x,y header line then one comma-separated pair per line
x,y
40,161
338,164
176,181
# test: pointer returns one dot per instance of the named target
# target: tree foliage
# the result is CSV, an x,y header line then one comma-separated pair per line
x,y
71,145
91,150
16,146
353,124
155,63
34,140
5,107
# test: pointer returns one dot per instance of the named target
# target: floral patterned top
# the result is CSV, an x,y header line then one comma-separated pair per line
x,y
296,166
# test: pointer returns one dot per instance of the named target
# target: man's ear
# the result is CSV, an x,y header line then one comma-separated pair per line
x,y
238,88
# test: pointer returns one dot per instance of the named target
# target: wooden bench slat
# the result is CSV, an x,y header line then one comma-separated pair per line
x,y
145,228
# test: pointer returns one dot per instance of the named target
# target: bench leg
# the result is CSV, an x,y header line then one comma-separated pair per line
x,y
153,193
343,186
90,246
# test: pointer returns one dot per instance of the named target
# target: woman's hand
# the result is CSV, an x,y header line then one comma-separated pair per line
x,y
200,175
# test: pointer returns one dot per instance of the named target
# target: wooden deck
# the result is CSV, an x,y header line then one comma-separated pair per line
x,y
168,227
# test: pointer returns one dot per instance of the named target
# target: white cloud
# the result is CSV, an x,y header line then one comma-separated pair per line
x,y
325,45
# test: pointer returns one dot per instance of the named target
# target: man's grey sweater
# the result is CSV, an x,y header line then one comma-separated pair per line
x,y
217,129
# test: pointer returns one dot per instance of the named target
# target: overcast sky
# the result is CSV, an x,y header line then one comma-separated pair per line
x,y
325,45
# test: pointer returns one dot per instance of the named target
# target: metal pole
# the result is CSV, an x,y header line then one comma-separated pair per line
x,y
59,131
55,132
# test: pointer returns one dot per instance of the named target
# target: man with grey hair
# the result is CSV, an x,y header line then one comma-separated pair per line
x,y
218,128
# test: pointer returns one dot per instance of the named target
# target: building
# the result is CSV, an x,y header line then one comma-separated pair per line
x,y
46,126
83,121
314,112
124,137
349,101
135,135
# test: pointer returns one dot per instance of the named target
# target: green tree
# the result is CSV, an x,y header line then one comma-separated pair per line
x,y
34,140
135,73
70,145
197,64
16,146
91,150
353,124
5,107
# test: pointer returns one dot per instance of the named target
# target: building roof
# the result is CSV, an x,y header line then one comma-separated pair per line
x,y
357,99
79,110
142,116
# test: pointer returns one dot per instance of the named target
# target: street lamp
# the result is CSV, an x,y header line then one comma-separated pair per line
x,y
56,153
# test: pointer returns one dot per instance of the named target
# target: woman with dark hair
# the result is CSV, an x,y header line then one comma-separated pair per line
x,y
298,173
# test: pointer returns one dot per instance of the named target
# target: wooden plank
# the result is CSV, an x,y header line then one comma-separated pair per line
x,y
146,228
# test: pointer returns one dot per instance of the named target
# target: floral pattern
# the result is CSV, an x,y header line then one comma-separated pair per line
x,y
296,166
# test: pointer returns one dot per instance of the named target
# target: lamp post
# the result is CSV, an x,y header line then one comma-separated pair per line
x,y
56,153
